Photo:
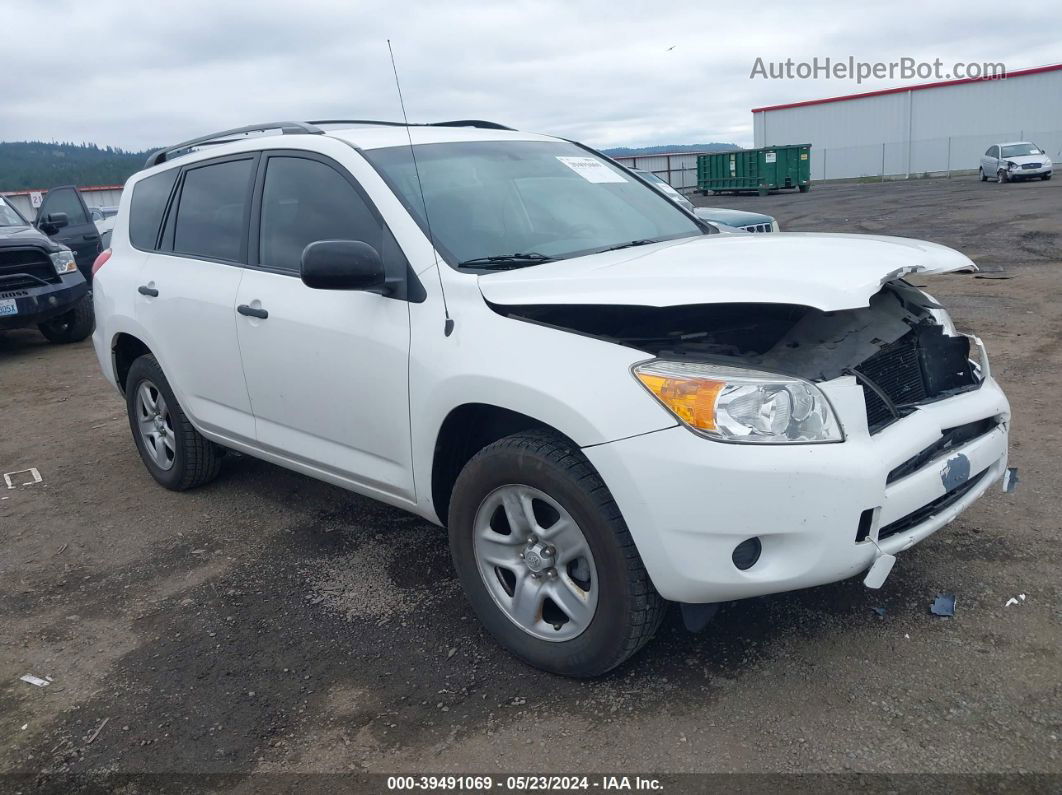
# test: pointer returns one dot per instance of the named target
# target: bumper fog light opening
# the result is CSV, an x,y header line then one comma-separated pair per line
x,y
747,553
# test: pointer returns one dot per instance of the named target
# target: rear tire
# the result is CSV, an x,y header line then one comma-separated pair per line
x,y
626,610
72,326
803,188
173,451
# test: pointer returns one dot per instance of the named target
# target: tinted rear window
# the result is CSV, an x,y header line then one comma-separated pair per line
x,y
147,206
210,218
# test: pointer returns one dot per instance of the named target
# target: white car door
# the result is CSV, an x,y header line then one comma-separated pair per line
x,y
187,292
326,369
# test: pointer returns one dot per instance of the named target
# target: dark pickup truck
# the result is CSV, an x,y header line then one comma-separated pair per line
x,y
40,283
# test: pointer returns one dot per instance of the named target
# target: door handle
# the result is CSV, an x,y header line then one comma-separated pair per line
x,y
145,290
92,237
252,311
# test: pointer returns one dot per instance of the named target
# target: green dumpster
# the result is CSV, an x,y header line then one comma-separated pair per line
x,y
761,170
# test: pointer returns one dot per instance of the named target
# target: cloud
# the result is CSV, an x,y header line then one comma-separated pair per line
x,y
142,74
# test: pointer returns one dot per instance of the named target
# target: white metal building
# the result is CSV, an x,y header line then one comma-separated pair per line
x,y
934,127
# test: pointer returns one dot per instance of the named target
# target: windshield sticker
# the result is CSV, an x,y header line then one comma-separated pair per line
x,y
591,169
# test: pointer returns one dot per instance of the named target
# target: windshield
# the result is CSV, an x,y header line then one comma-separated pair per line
x,y
9,216
526,201
1017,150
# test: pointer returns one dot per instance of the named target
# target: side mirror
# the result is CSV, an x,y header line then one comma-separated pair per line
x,y
343,265
53,222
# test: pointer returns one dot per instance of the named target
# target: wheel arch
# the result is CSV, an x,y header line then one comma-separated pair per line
x,y
465,431
126,348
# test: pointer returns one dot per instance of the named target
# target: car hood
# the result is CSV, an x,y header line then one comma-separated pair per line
x,y
11,236
732,217
1022,159
826,271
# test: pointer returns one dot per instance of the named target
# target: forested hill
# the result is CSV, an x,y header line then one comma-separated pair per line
x,y
626,151
35,164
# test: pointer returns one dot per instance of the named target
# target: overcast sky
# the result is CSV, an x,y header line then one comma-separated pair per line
x,y
140,74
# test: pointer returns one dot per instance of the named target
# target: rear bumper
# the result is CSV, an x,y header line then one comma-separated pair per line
x,y
689,501
37,304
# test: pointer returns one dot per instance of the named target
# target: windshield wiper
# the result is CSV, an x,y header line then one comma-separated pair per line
x,y
630,244
505,261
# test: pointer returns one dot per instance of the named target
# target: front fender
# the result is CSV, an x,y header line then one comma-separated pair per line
x,y
577,385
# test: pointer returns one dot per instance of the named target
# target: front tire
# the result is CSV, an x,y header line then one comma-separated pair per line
x,y
173,451
1045,177
72,326
1001,177
545,557
981,174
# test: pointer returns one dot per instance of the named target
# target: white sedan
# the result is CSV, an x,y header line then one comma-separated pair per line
x,y
1013,161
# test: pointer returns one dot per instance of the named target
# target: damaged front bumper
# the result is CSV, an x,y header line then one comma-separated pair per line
x,y
821,512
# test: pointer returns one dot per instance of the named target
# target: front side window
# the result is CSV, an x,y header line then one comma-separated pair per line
x,y
66,201
488,199
304,201
147,206
212,209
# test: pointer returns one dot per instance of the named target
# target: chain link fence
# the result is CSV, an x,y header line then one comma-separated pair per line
x,y
922,158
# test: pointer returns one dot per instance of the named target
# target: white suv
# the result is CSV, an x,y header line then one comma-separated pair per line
x,y
609,405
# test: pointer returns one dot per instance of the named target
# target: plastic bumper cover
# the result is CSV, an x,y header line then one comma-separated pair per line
x,y
688,501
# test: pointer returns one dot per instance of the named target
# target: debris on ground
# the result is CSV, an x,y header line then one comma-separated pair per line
x,y
1013,601
35,477
943,605
993,276
35,680
96,733
880,611
1010,479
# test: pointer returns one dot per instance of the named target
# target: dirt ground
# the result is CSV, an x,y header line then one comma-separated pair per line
x,y
271,623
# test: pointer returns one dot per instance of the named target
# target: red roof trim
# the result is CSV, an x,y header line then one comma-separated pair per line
x,y
45,190
901,89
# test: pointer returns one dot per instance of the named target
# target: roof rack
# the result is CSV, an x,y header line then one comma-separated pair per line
x,y
302,128
223,137
483,125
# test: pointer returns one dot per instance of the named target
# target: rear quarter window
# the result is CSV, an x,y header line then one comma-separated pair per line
x,y
147,206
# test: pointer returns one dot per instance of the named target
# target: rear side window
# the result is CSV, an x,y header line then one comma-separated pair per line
x,y
304,201
147,206
212,209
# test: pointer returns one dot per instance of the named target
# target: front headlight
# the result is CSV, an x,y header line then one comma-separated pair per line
x,y
732,404
1011,165
63,261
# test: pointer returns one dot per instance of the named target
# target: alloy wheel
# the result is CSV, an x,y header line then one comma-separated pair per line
x,y
535,562
153,422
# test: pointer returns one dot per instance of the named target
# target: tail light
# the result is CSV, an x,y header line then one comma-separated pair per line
x,y
101,260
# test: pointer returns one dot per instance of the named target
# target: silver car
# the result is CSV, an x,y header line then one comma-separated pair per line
x,y
1013,161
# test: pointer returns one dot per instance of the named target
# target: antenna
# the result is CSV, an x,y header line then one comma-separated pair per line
x,y
448,325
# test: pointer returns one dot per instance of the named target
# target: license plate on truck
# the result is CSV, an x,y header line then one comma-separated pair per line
x,y
8,306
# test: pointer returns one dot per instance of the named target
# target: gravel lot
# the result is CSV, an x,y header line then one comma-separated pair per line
x,y
268,622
